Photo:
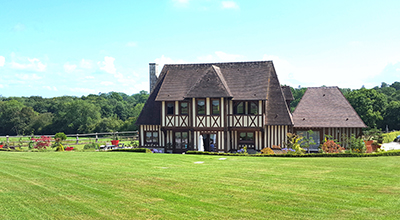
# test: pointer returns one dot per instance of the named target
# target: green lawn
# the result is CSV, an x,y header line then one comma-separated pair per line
x,y
120,185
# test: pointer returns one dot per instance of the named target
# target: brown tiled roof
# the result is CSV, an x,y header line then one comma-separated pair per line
x,y
287,93
151,112
245,80
325,107
238,80
278,112
211,84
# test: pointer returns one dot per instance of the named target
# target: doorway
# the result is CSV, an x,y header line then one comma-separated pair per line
x,y
209,139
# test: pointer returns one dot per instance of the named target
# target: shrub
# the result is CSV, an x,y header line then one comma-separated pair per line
x,y
288,150
60,136
267,150
91,146
42,143
331,147
293,142
389,137
356,145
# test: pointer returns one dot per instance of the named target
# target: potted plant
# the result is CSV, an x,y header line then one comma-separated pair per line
x,y
115,142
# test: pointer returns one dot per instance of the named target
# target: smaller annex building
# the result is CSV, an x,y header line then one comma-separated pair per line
x,y
326,111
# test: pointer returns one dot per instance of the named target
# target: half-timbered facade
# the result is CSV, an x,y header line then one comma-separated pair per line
x,y
227,105
325,111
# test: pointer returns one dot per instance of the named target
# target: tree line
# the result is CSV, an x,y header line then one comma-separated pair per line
x,y
378,107
104,112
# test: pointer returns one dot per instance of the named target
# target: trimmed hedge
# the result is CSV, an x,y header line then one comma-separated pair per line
x,y
385,153
389,137
137,150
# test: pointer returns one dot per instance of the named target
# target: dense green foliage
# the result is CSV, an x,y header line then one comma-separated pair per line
x,y
378,107
93,113
102,185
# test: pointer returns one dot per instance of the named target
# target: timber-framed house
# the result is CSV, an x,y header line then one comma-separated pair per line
x,y
227,105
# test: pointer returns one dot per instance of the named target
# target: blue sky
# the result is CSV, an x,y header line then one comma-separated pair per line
x,y
54,48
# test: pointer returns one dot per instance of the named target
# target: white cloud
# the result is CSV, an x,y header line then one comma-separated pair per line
x,y
229,4
69,67
34,64
2,60
28,76
51,88
106,83
398,69
220,56
131,44
108,65
89,77
1,86
86,64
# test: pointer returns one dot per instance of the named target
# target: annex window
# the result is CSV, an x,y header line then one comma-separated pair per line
x,y
184,109
239,108
201,106
151,137
215,107
181,140
170,108
253,108
246,137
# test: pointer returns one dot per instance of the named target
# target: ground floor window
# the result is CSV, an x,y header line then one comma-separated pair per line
x,y
151,137
315,135
181,140
246,137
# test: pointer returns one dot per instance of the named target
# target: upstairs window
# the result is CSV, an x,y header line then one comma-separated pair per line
x,y
239,108
184,108
170,108
215,107
201,106
253,108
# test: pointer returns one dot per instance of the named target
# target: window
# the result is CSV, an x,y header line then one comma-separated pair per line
x,y
253,108
246,137
201,106
215,107
184,108
239,108
170,108
151,137
181,140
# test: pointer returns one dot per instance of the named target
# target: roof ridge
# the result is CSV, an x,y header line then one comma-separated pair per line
x,y
219,63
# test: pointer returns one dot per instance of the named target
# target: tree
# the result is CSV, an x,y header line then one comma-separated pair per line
x,y
369,104
76,117
392,115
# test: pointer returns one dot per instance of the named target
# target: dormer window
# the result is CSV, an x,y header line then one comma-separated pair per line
x,y
170,108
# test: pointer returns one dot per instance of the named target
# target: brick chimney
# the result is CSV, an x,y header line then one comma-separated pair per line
x,y
152,75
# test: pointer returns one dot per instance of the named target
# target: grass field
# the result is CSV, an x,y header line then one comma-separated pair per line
x,y
119,185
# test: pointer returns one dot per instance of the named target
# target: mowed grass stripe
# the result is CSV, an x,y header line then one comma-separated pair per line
x,y
119,185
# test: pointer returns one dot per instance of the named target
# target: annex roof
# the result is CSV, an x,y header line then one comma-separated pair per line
x,y
325,107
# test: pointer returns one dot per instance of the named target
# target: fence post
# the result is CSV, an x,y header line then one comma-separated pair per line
x,y
97,138
77,139
116,135
7,138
